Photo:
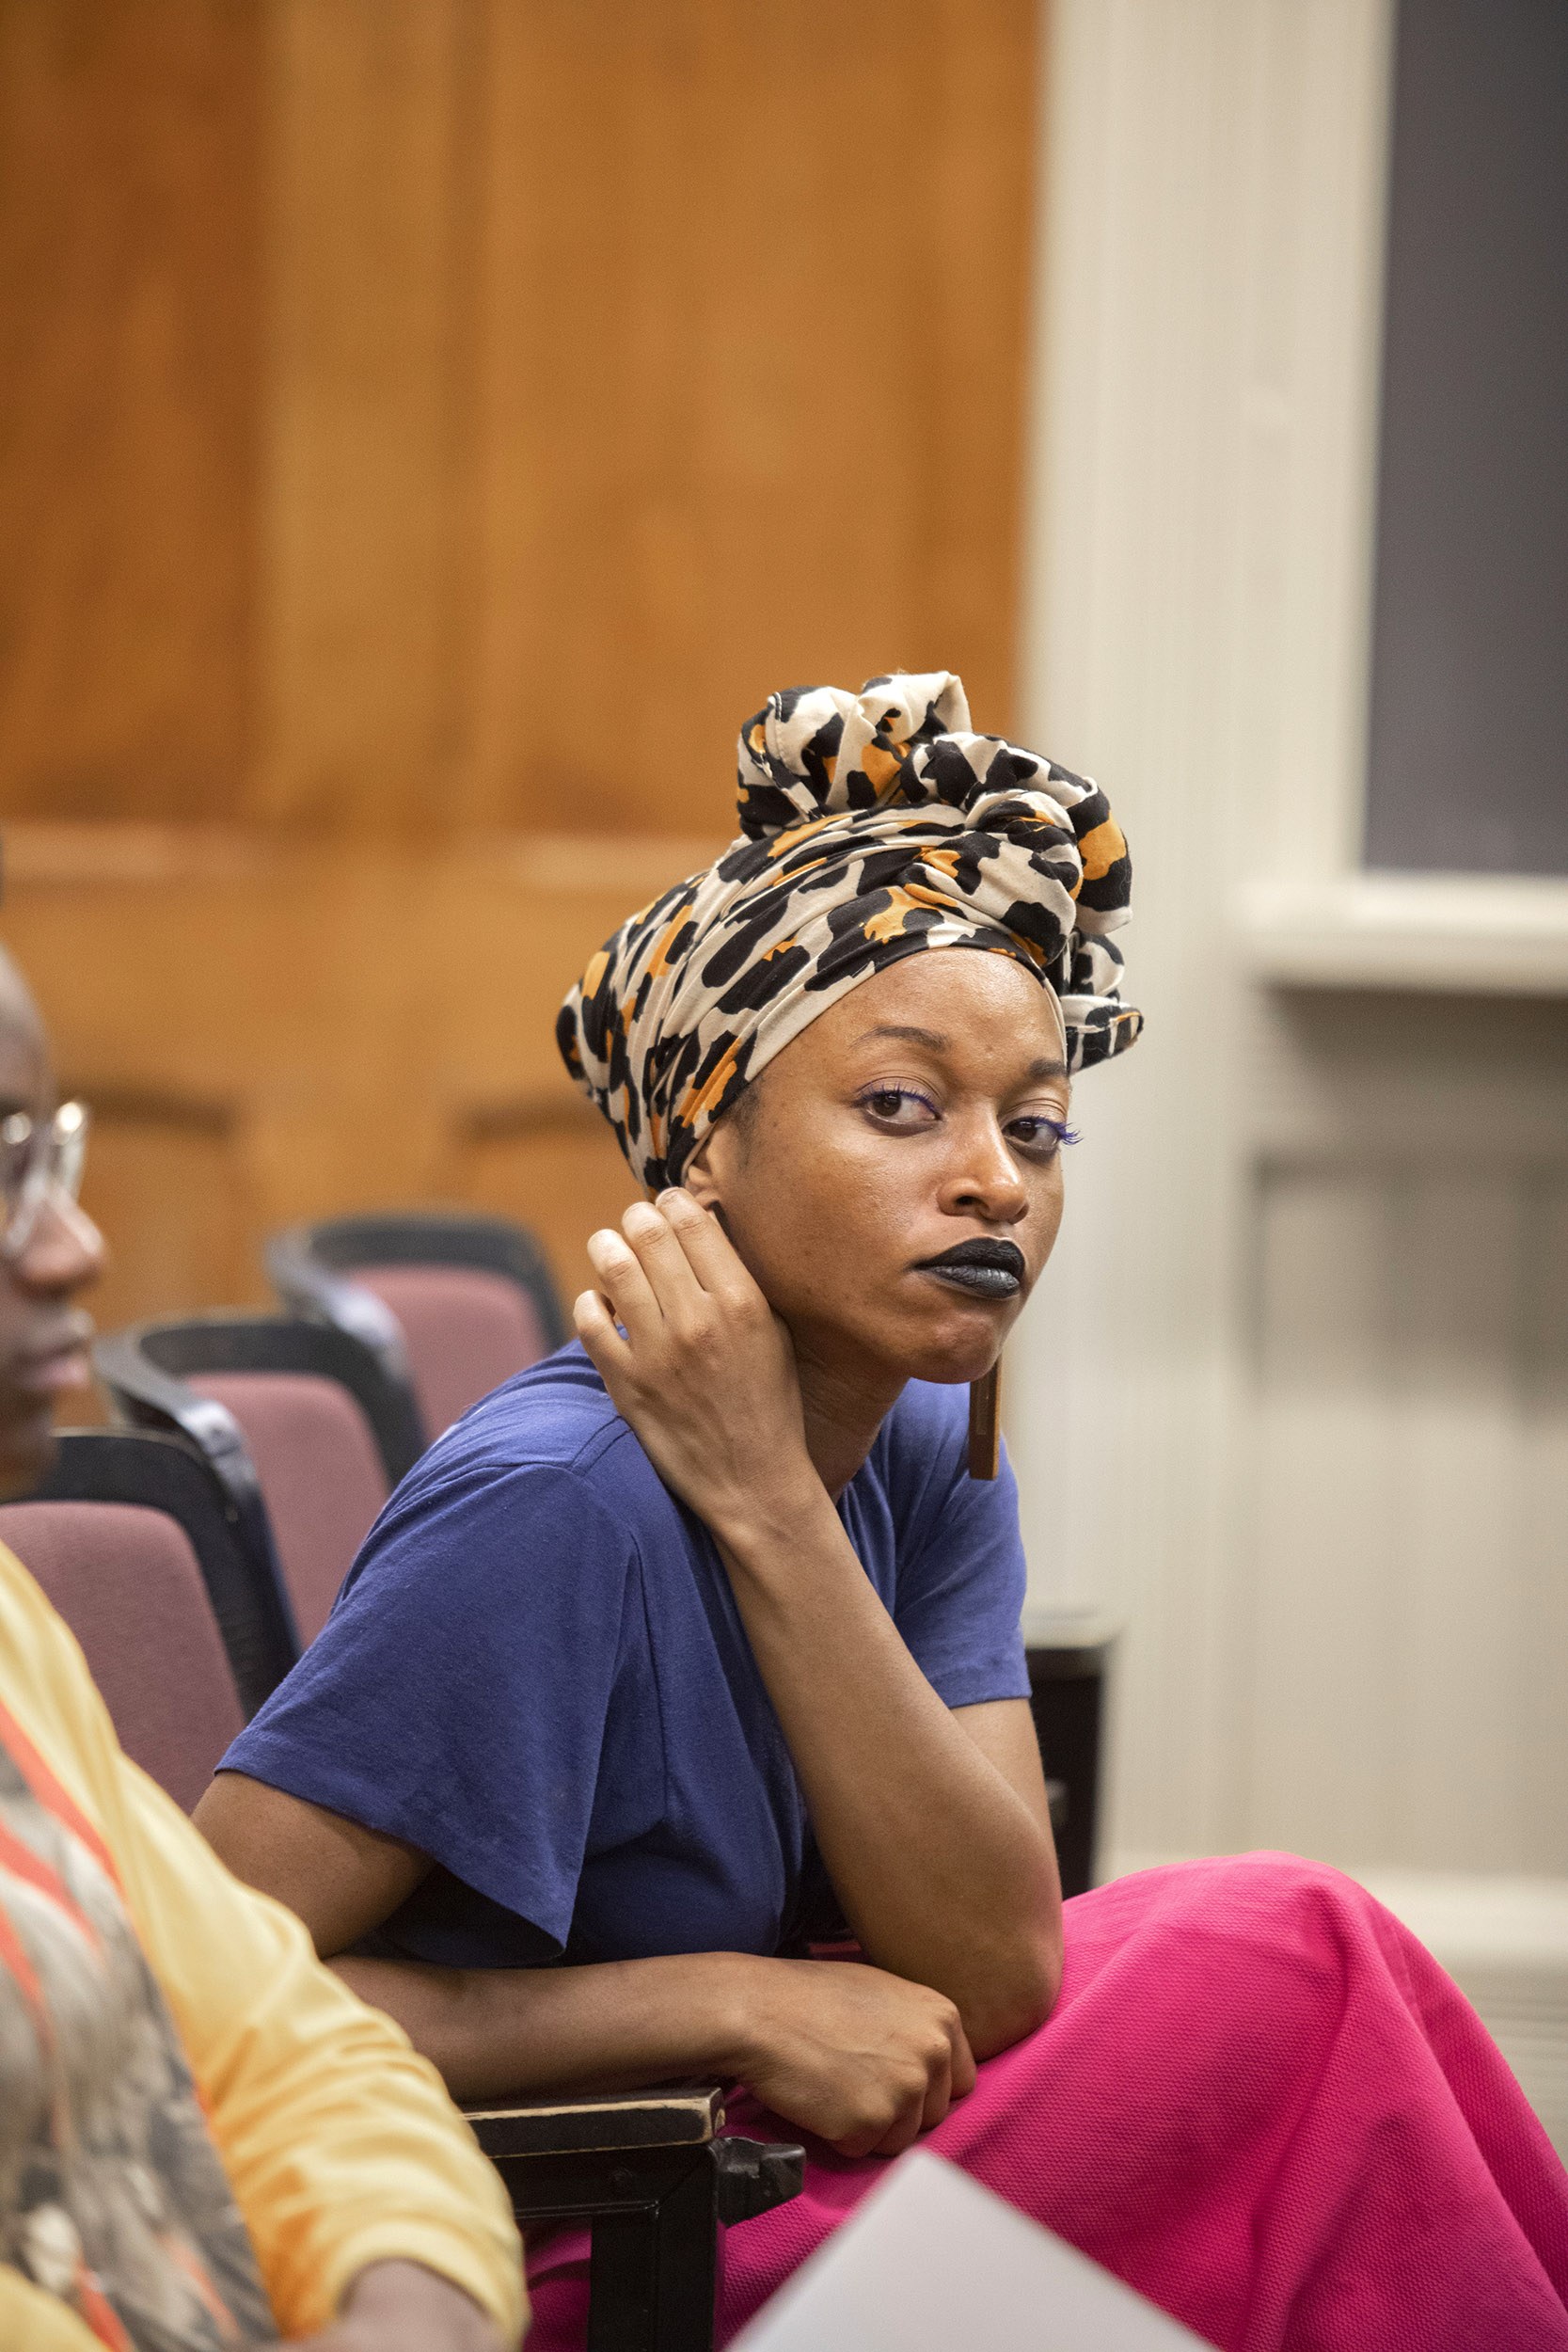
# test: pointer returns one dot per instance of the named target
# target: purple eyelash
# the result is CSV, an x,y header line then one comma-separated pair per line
x,y
1056,1128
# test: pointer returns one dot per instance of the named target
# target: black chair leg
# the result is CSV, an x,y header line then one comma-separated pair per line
x,y
655,2273
658,2218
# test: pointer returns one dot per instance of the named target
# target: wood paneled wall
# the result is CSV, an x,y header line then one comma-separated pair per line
x,y
131,322
427,429
755,278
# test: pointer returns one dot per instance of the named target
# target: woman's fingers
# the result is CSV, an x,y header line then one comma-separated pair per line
x,y
712,1256
939,2094
661,1253
964,2074
687,1259
917,2116
624,1285
595,1320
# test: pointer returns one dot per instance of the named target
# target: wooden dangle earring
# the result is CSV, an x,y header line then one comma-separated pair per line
x,y
985,1423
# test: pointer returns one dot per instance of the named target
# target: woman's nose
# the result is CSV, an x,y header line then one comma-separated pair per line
x,y
64,1250
984,1179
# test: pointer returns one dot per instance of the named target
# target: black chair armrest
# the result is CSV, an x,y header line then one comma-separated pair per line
x,y
755,2175
672,2114
654,2175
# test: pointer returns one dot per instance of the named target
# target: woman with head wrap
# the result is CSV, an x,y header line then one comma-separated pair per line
x,y
691,1657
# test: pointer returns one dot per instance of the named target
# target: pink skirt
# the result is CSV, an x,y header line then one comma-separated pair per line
x,y
1258,2101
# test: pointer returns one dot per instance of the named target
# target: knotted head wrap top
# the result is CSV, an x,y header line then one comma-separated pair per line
x,y
873,826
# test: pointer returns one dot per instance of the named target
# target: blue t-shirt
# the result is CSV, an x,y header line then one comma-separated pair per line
x,y
537,1674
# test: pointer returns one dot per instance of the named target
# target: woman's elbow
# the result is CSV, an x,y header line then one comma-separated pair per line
x,y
1018,1996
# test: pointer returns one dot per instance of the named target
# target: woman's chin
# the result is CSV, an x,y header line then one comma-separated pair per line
x,y
961,1342
955,1357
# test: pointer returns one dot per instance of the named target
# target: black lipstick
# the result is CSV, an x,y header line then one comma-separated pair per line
x,y
987,1269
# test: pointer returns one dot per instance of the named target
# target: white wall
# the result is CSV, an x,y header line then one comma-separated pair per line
x,y
1294,1403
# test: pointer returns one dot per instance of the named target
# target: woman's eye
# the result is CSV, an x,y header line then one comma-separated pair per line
x,y
898,1107
1044,1137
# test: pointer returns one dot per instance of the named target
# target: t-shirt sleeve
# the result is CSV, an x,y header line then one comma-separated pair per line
x,y
456,1696
962,1572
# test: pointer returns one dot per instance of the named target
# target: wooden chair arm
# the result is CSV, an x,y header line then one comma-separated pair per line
x,y
670,2114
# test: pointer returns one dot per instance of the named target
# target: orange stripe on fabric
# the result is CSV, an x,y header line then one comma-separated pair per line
x,y
695,1104
18,1858
185,2258
47,1789
800,833
98,2312
659,966
13,1955
925,898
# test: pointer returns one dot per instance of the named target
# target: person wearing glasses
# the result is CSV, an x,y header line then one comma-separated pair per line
x,y
688,1661
206,2141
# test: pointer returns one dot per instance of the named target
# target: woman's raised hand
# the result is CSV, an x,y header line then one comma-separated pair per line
x,y
701,1367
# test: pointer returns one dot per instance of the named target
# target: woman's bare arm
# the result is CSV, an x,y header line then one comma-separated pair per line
x,y
932,1821
858,2057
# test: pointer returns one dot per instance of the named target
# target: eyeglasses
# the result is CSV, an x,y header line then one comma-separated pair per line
x,y
38,1157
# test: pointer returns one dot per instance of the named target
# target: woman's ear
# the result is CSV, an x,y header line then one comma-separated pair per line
x,y
720,1159
700,1178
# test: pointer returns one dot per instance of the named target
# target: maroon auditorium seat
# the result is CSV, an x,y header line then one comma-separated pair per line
x,y
466,1330
320,1475
125,1580
450,1301
311,1433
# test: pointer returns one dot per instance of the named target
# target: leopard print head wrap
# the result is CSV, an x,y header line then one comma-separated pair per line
x,y
872,826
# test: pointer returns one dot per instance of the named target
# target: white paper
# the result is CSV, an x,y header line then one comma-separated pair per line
x,y
931,2262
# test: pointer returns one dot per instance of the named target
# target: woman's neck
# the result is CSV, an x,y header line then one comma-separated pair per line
x,y
843,1411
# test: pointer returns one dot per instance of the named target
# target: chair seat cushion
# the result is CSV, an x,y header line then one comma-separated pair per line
x,y
126,1582
322,1476
466,1330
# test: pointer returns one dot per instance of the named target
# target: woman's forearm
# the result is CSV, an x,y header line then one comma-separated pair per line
x,y
859,2057
947,1875
611,2026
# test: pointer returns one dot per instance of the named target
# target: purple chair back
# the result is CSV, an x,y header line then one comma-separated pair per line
x,y
125,1580
320,1475
465,1329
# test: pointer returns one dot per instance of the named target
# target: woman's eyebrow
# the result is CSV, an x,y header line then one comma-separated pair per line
x,y
936,1041
932,1039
